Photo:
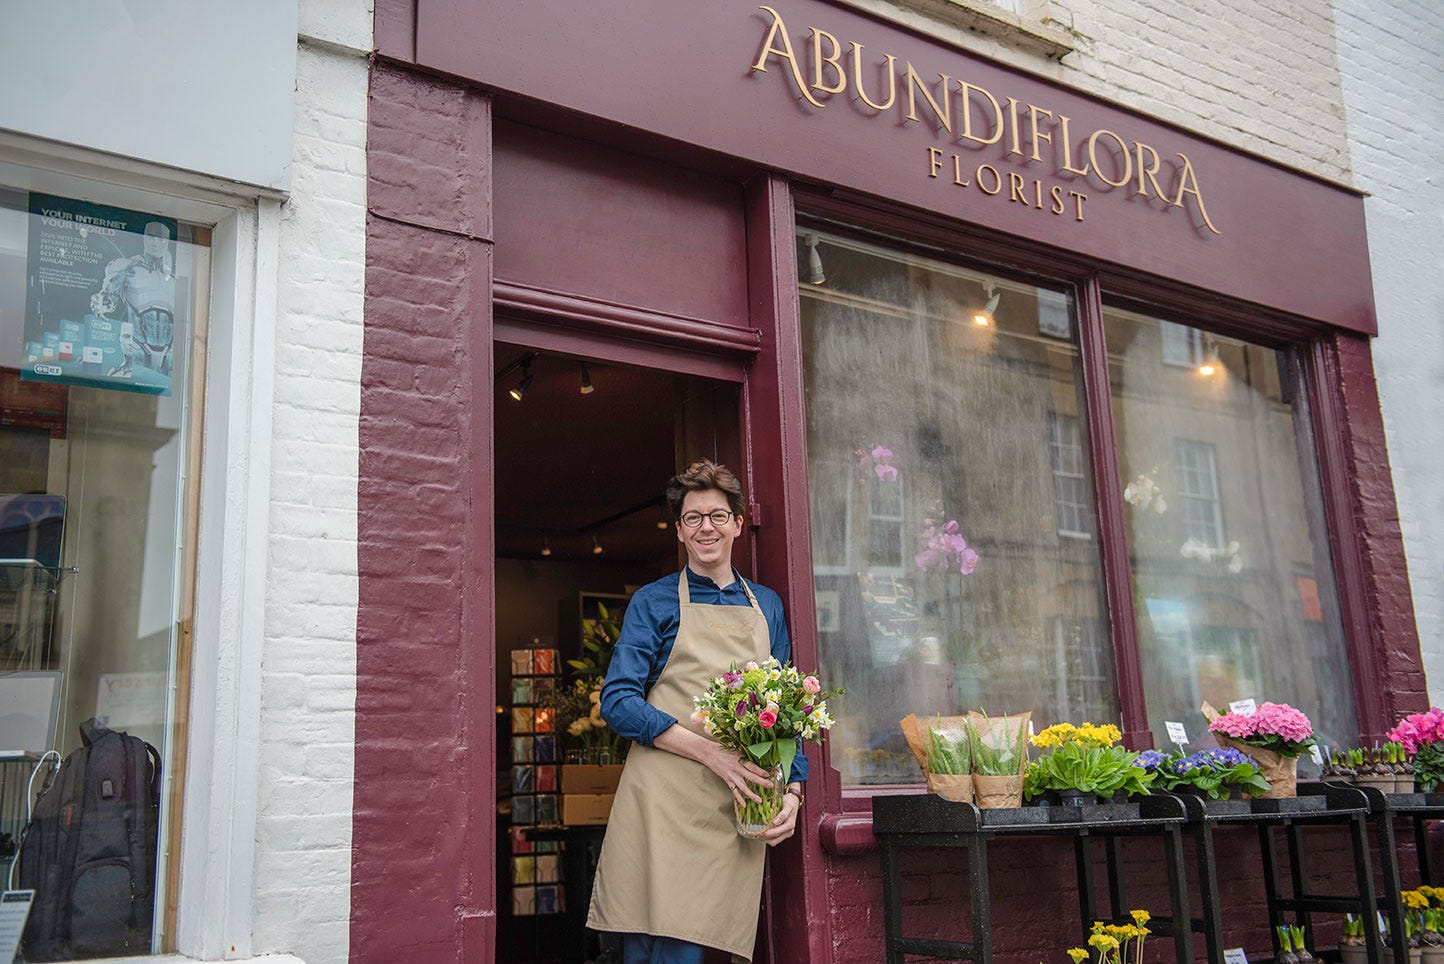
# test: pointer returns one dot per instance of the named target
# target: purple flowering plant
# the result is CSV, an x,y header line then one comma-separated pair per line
x,y
878,458
1213,773
945,549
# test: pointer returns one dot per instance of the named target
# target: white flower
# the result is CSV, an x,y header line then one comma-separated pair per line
x,y
579,726
1160,506
1235,565
596,717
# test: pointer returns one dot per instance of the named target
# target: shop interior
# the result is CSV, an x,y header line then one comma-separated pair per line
x,y
583,449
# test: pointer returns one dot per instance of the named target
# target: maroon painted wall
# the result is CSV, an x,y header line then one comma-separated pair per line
x,y
683,70
423,825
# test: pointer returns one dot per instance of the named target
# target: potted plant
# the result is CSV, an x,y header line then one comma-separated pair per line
x,y
949,761
1352,949
1274,735
999,747
1115,943
1083,765
1433,935
1301,952
1286,954
1215,774
1422,735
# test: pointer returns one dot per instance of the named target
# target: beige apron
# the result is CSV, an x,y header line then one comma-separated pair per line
x,y
672,862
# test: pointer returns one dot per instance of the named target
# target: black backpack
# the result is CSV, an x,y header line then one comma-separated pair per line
x,y
89,851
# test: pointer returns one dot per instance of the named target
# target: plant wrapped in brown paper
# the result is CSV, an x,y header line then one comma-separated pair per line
x,y
1000,756
943,753
1274,735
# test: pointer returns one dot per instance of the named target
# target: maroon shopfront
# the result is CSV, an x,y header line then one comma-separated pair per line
x,y
1132,363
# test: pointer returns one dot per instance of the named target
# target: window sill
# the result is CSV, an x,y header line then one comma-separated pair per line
x,y
1031,35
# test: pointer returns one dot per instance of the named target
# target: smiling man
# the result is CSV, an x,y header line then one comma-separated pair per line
x,y
675,877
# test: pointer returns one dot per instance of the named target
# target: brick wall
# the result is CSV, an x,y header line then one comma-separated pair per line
x,y
303,828
1393,86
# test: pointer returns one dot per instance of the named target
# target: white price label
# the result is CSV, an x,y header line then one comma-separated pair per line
x,y
1235,955
1176,732
1031,734
14,908
1315,755
1243,708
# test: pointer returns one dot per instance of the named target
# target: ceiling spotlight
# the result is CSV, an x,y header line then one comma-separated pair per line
x,y
815,275
1209,365
596,546
662,520
983,317
586,381
546,547
519,389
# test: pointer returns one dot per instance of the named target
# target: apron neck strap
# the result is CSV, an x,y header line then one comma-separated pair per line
x,y
684,591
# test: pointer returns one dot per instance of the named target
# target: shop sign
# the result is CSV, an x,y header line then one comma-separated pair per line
x,y
100,302
1033,138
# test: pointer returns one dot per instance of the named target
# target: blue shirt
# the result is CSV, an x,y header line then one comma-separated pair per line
x,y
649,629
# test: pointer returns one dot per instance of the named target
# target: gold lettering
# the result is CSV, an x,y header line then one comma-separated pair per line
x,y
997,134
1056,193
1185,178
958,172
779,30
1013,127
819,61
1148,172
1068,148
935,161
1038,194
857,79
1122,151
943,113
1038,135
997,178
1015,187
1079,198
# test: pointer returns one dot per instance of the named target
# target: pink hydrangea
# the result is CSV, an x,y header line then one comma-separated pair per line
x,y
1234,725
1282,720
1417,729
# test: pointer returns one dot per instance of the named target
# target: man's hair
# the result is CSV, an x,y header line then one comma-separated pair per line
x,y
699,477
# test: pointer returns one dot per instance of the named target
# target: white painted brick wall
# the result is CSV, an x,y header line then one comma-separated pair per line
x,y
303,854
1393,70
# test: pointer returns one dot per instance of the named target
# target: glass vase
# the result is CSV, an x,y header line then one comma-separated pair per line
x,y
755,817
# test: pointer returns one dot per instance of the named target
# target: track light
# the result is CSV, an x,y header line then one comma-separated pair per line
x,y
983,317
546,547
662,520
596,546
586,381
815,273
1209,365
519,389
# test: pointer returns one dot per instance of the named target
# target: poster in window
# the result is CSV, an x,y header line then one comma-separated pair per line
x,y
100,304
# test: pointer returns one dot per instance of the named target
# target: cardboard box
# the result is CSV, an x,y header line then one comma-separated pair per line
x,y
581,809
587,778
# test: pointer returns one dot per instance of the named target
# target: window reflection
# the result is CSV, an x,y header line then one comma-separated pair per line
x,y
1231,569
951,500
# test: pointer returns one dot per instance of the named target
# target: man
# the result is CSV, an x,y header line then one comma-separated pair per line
x,y
142,289
674,876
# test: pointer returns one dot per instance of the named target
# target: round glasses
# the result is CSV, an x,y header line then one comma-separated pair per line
x,y
719,517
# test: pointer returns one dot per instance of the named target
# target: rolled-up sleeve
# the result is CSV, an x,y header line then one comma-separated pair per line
x,y
634,662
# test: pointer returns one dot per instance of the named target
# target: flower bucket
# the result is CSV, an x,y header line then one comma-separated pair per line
x,y
1282,772
994,793
1355,953
955,787
754,818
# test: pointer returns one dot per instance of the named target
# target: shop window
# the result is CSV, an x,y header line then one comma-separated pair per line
x,y
99,310
1070,478
942,585
929,389
1223,513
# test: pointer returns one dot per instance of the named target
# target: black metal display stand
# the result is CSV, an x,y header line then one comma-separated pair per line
x,y
926,820
1385,810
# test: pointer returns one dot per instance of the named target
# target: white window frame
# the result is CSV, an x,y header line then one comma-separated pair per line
x,y
217,830
1211,533
1180,345
1062,478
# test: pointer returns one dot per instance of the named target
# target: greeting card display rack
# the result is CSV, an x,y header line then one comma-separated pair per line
x,y
536,878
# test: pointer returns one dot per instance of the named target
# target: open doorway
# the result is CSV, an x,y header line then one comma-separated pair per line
x,y
579,525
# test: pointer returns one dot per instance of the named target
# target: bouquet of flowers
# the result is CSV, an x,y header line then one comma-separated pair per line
x,y
1086,759
1211,773
578,714
1115,943
1422,735
761,711
1274,735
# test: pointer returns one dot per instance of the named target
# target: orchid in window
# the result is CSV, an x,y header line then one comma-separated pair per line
x,y
945,549
878,458
1143,493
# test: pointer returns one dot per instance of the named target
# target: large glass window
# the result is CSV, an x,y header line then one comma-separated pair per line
x,y
1227,541
99,310
956,549
950,486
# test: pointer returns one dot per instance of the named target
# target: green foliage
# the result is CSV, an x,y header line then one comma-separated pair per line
x,y
948,750
598,637
1214,773
997,750
1429,765
1099,770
